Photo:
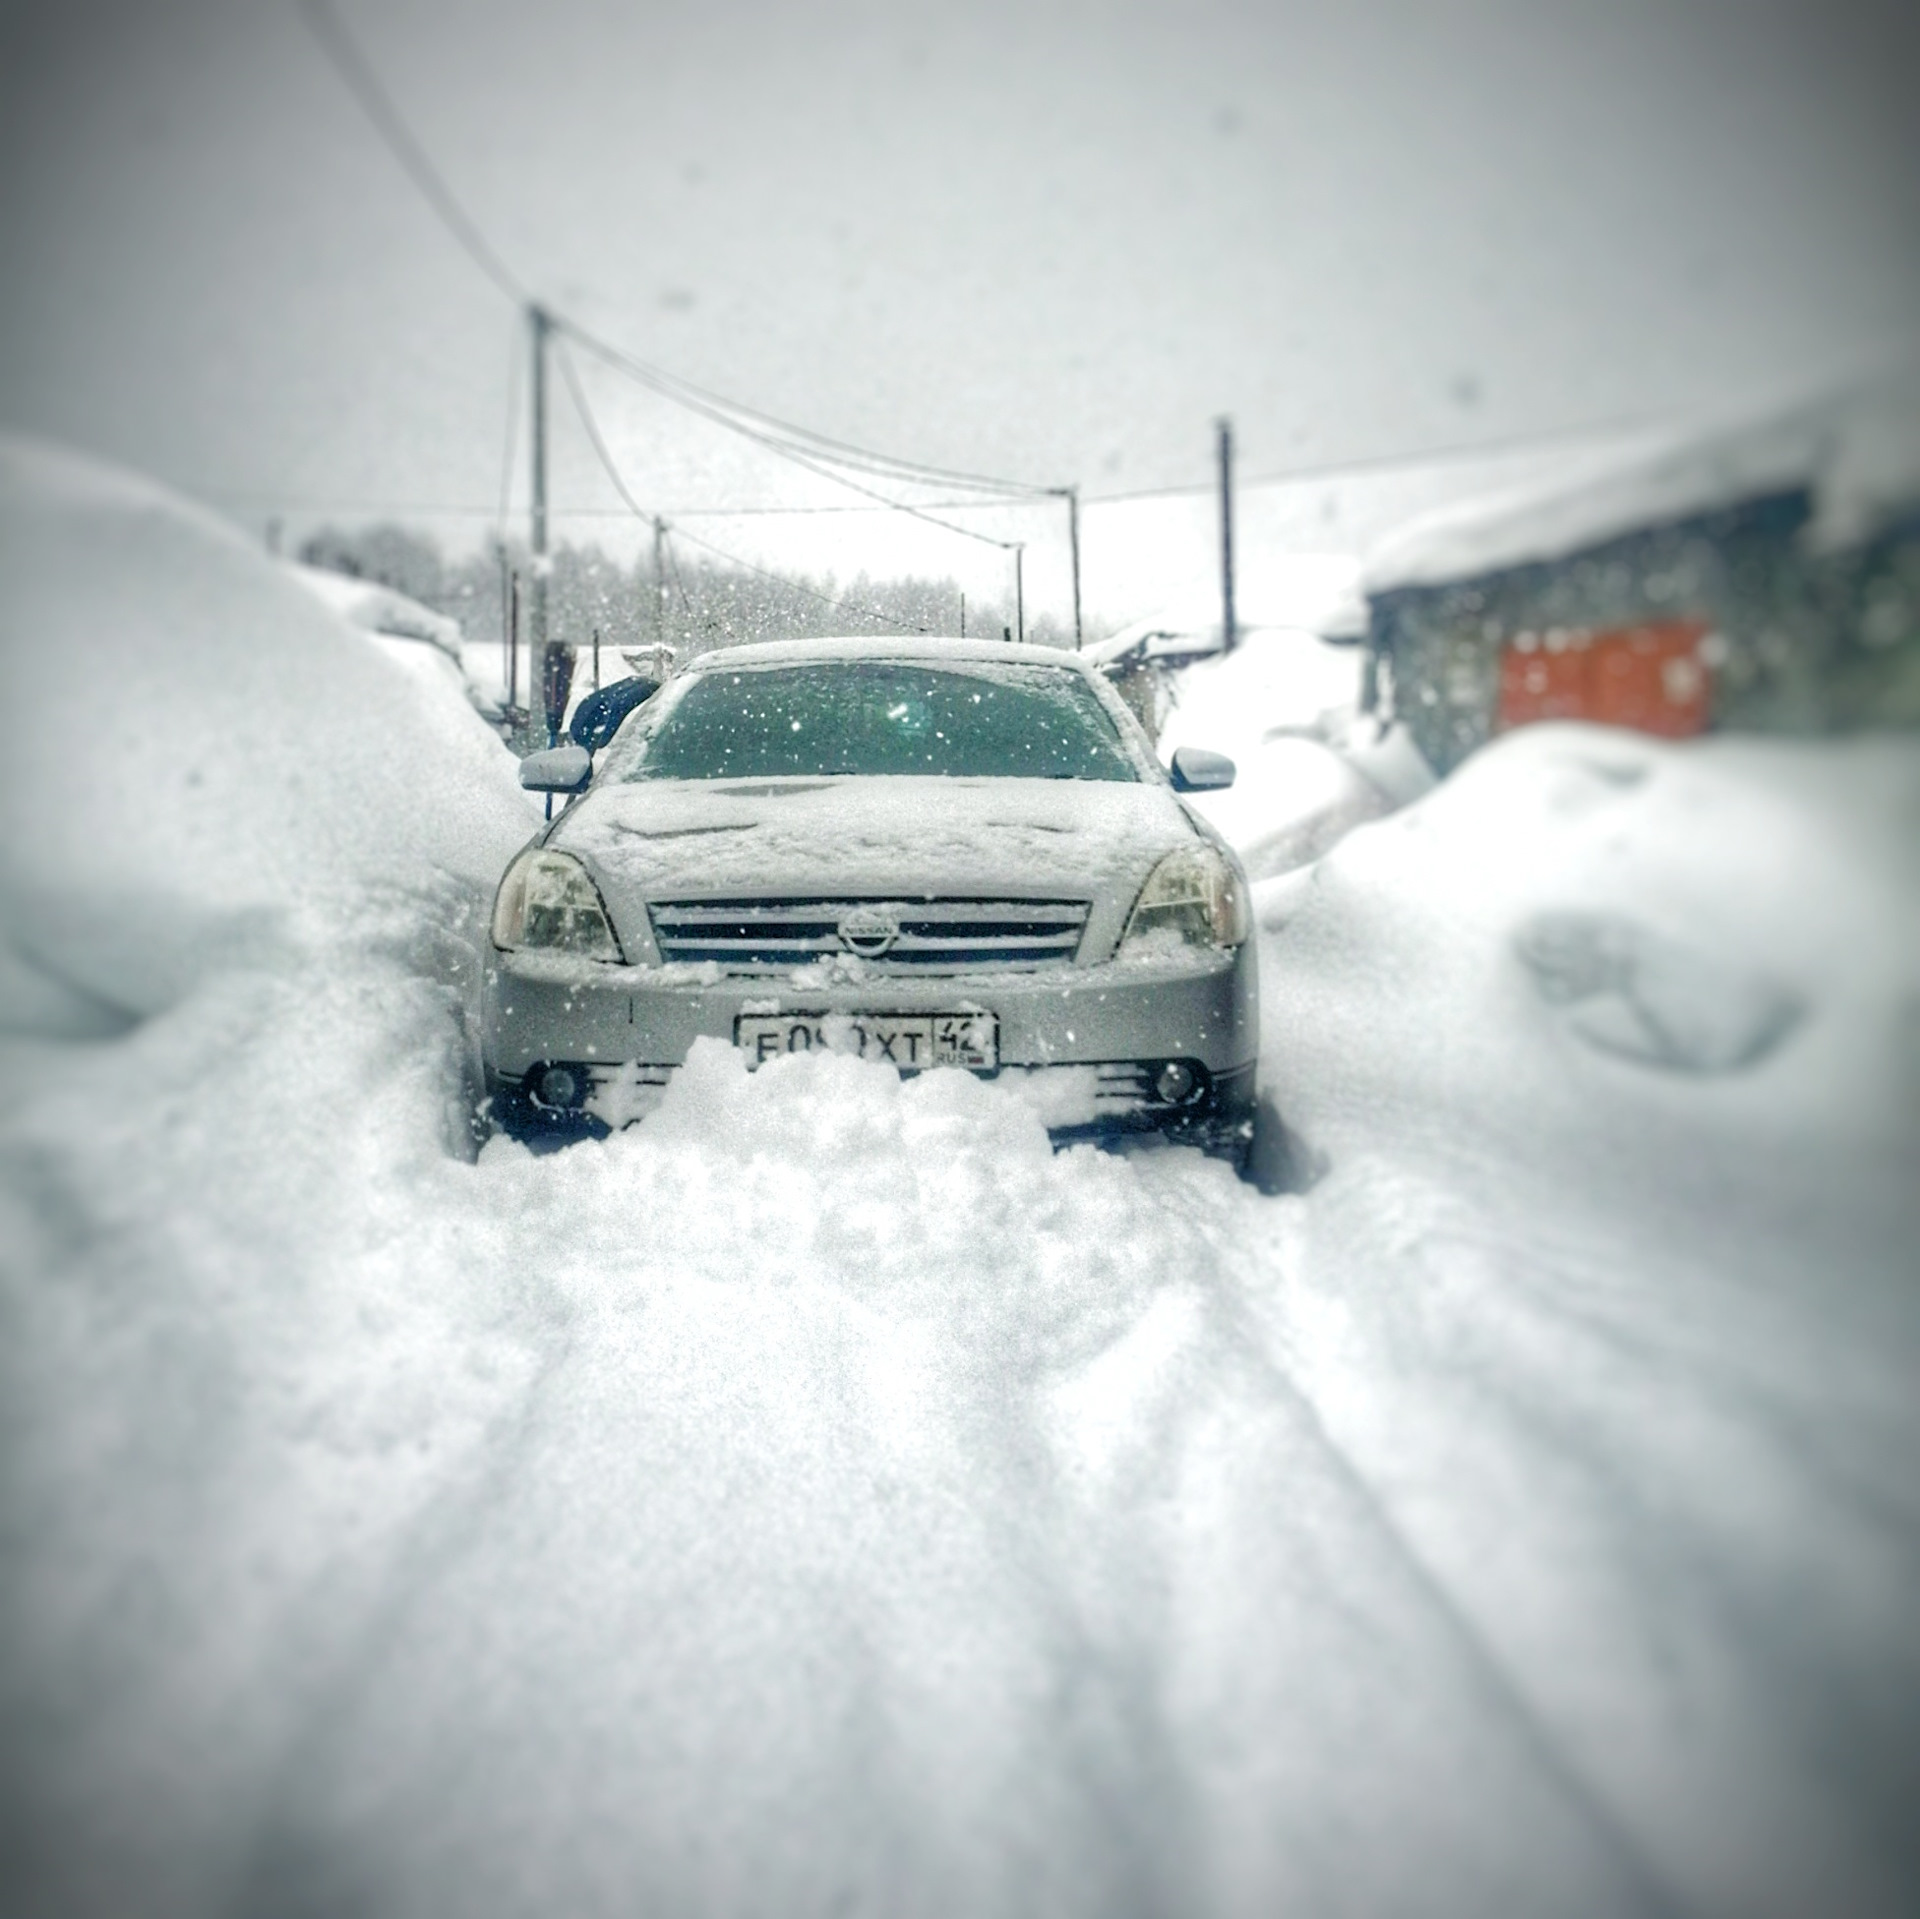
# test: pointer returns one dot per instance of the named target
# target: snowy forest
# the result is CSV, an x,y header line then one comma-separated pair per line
x,y
700,603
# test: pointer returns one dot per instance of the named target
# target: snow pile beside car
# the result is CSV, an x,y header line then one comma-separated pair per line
x,y
1608,1058
1308,770
426,644
207,762
1588,941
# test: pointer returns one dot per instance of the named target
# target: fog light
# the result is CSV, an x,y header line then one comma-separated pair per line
x,y
1174,1081
559,1086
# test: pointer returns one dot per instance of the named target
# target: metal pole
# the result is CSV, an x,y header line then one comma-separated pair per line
x,y
540,324
596,659
1071,494
506,621
1020,590
963,615
1229,627
513,645
660,582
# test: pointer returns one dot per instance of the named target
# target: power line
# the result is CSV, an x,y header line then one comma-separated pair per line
x,y
571,374
464,510
1377,463
1387,462
364,84
782,435
802,459
778,435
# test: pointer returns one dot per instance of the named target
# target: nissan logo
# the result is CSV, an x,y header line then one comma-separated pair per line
x,y
868,931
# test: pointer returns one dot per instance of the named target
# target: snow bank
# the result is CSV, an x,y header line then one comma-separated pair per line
x,y
1281,707
1578,906
212,763
379,609
1606,1055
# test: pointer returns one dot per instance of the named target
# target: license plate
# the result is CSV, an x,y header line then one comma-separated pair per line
x,y
901,1039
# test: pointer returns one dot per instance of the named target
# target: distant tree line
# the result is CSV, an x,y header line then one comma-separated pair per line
x,y
701,603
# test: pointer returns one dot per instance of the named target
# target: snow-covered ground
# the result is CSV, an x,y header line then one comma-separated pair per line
x,y
825,1498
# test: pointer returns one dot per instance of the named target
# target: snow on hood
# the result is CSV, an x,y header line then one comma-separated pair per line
x,y
669,838
1858,452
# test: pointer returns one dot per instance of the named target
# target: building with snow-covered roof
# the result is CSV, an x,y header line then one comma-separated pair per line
x,y
1764,578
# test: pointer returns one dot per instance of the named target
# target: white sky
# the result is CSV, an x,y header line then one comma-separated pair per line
x,y
1047,241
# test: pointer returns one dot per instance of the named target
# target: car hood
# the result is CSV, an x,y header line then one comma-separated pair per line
x,y
715,839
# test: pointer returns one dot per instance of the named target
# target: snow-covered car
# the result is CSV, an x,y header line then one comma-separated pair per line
x,y
927,852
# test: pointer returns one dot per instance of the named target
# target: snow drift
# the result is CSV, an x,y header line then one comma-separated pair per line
x,y
210,763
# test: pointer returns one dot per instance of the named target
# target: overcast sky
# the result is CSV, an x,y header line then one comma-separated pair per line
x,y
1046,241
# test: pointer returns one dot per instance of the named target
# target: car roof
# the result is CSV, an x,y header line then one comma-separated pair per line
x,y
866,646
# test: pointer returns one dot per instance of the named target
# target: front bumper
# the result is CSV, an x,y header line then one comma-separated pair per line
x,y
621,1030
1106,1101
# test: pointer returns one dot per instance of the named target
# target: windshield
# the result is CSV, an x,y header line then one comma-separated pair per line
x,y
886,717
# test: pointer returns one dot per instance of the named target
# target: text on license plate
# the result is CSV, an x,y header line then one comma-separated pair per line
x,y
903,1039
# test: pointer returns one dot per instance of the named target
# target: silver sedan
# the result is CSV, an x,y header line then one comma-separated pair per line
x,y
927,852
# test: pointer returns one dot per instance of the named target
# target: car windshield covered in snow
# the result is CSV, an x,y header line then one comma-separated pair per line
x,y
827,717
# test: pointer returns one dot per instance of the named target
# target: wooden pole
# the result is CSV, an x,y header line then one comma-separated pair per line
x,y
659,582
1071,494
506,621
540,325
1229,627
513,644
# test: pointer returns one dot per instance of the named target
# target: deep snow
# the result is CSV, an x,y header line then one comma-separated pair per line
x,y
824,1497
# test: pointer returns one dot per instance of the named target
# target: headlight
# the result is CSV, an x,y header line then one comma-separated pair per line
x,y
548,900
1192,898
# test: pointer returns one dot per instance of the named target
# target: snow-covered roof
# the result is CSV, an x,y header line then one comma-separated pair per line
x,y
380,609
1857,452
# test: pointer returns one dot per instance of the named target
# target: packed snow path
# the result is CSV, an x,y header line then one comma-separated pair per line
x,y
824,1497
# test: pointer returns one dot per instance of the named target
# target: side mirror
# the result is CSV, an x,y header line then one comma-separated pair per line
x,y
1195,770
598,717
560,769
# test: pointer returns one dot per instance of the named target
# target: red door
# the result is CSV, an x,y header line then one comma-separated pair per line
x,y
1650,677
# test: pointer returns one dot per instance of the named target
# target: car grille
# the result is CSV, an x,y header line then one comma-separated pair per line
x,y
935,936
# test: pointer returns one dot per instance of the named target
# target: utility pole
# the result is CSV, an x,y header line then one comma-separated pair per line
x,y
963,613
1071,494
659,581
540,324
1020,590
508,617
513,644
1229,627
